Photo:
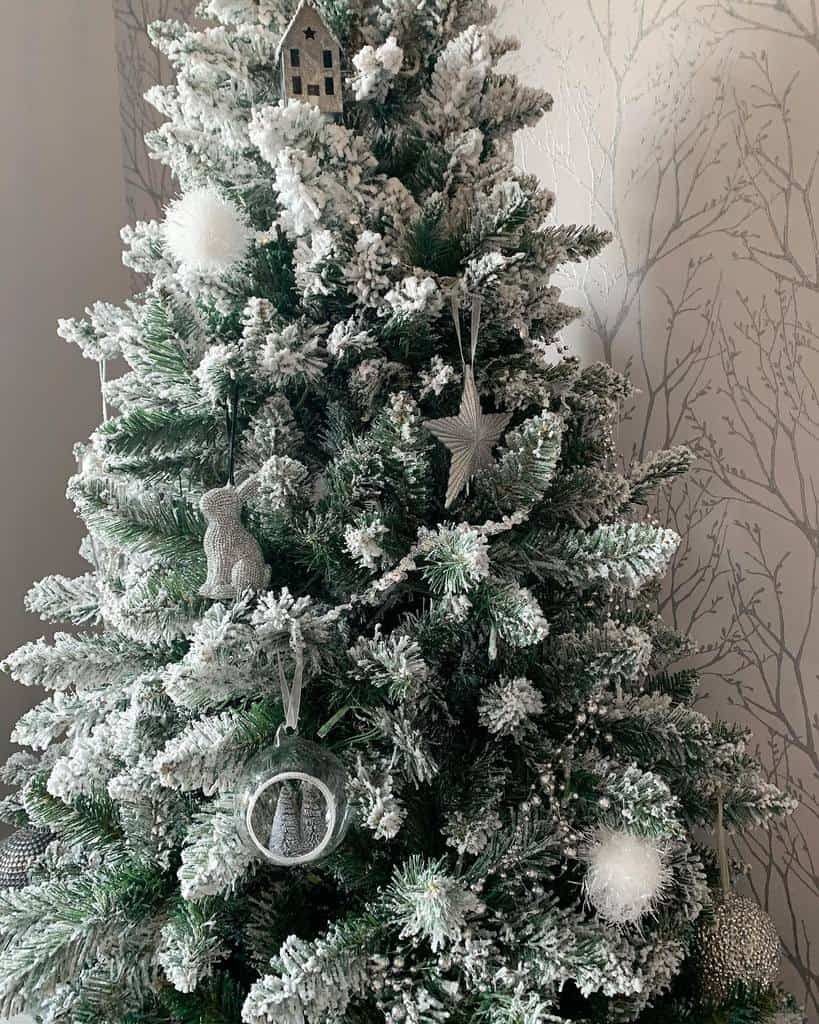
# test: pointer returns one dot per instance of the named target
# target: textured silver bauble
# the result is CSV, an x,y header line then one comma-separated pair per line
x,y
737,945
18,853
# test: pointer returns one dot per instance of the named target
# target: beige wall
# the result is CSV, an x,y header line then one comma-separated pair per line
x,y
688,128
61,207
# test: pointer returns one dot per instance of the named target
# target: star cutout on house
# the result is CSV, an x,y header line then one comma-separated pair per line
x,y
470,436
309,33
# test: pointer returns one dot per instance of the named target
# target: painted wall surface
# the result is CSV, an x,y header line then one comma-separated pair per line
x,y
60,213
689,129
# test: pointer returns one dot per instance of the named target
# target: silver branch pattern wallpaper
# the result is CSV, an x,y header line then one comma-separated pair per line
x,y
689,129
148,185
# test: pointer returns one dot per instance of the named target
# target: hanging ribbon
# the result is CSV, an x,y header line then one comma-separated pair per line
x,y
456,316
291,692
477,305
232,416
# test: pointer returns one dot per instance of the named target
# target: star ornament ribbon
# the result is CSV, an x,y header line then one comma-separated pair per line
x,y
470,436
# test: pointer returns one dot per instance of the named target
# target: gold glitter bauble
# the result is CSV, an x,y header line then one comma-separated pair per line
x,y
737,945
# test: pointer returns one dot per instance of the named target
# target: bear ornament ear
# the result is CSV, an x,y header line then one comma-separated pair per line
x,y
248,489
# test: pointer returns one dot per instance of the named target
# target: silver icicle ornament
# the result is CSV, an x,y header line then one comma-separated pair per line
x,y
737,944
18,854
472,434
235,559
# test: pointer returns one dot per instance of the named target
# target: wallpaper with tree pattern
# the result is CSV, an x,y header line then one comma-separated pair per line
x,y
689,128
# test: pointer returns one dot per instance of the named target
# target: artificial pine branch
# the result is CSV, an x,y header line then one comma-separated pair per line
x,y
160,522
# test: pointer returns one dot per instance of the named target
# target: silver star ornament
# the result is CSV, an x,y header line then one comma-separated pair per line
x,y
470,436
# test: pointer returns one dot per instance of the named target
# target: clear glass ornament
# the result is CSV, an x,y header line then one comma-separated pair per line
x,y
296,810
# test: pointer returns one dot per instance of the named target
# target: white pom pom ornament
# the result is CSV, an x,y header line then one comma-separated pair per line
x,y
205,232
626,875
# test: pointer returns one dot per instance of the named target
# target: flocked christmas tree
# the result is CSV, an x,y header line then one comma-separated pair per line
x,y
368,716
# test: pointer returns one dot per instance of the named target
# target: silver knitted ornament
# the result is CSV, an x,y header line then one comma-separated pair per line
x,y
18,853
737,945
235,560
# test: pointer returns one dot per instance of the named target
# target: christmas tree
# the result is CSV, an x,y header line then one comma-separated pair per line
x,y
368,715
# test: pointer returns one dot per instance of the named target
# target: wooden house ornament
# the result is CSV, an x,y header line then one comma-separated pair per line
x,y
310,57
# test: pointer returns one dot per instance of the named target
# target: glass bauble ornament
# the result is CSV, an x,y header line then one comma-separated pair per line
x,y
296,808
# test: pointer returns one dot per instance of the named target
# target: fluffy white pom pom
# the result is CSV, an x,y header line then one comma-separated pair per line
x,y
625,875
205,232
